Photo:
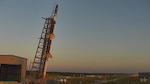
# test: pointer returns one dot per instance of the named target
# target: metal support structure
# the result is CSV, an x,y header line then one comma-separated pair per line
x,y
38,69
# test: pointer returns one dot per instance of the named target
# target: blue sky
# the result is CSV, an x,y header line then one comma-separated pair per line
x,y
91,35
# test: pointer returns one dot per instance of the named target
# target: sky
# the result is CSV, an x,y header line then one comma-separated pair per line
x,y
91,35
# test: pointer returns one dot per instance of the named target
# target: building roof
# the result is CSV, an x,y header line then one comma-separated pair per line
x,y
15,56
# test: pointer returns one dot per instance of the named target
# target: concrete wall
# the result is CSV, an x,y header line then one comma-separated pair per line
x,y
15,60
